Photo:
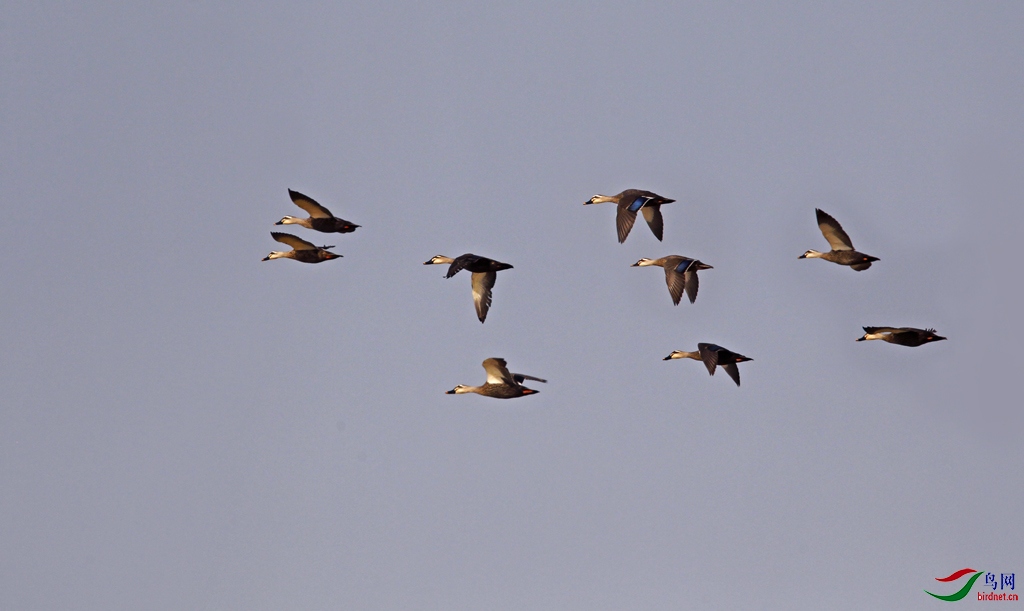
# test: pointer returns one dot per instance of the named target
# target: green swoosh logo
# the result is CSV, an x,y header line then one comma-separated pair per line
x,y
963,591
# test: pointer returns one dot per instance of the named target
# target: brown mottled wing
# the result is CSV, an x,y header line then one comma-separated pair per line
x,y
709,354
497,372
624,220
676,284
295,242
833,232
520,377
652,213
483,282
734,372
309,204
692,283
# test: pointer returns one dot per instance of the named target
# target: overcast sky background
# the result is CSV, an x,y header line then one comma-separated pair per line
x,y
186,427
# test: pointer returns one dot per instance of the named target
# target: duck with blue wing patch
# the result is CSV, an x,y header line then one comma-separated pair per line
x,y
680,275
630,202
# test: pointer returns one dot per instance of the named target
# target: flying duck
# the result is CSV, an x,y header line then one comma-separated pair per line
x,y
842,247
484,270
714,355
630,201
680,273
500,383
301,250
904,336
320,218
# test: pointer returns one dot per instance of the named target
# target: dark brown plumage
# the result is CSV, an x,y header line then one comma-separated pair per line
x,y
680,275
629,203
500,383
302,250
713,356
320,218
485,273
904,336
842,251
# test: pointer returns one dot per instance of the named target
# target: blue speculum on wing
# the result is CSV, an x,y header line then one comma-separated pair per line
x,y
682,266
638,203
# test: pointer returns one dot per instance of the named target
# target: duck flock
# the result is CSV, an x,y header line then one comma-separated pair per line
x,y
680,276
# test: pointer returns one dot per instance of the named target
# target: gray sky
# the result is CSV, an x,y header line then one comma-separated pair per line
x,y
185,427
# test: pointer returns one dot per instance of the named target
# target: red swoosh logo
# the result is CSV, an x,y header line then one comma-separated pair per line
x,y
956,575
